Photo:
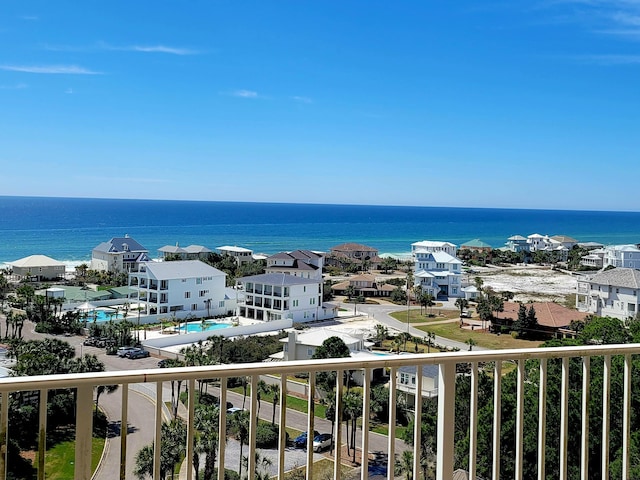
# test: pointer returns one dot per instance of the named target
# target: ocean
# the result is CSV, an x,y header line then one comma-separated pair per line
x,y
67,229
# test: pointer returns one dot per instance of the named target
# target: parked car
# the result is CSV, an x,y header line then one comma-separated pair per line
x,y
322,442
301,440
137,353
122,351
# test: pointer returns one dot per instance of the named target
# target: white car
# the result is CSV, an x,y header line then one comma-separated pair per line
x,y
122,351
322,442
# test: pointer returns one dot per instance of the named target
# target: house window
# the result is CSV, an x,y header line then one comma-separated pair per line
x,y
309,352
312,301
221,304
187,294
203,292
194,306
294,303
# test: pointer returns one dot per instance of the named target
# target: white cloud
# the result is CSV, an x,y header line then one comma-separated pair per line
x,y
245,94
17,86
611,59
50,69
69,90
302,99
148,49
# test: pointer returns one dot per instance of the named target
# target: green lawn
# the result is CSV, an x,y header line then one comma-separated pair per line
x,y
59,464
294,403
416,317
488,340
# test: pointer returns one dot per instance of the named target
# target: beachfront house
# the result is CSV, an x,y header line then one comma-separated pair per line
x,y
434,246
365,285
240,254
621,256
476,245
119,255
517,244
594,259
299,263
277,296
181,287
346,254
613,293
436,271
192,252
38,268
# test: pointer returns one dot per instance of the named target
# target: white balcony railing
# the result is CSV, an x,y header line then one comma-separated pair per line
x,y
446,404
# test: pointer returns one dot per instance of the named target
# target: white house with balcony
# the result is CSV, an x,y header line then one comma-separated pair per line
x,y
407,376
621,256
119,255
240,254
613,293
437,272
278,296
299,263
434,246
517,244
181,287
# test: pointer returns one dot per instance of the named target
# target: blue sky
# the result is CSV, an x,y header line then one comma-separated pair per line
x,y
523,104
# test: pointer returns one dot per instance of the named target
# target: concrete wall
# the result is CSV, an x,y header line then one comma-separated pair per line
x,y
188,338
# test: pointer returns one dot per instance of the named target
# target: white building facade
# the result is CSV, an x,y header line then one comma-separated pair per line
x,y
434,246
621,256
119,255
613,293
278,296
299,263
185,287
437,272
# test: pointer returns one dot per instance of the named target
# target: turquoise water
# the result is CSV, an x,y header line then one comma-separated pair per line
x,y
103,315
194,327
28,225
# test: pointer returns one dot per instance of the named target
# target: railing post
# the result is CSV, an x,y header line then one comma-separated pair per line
x,y
42,432
157,447
190,428
222,427
282,441
606,415
253,423
311,405
497,418
473,422
542,418
391,448
626,416
84,423
520,420
446,420
124,430
586,396
337,427
417,424
564,418
4,421
366,403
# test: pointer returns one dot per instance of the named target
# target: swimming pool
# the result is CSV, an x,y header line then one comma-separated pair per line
x,y
104,315
193,327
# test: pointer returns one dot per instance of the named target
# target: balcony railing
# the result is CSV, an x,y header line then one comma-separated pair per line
x,y
445,446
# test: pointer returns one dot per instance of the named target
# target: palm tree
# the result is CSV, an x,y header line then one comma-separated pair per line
x,y
261,462
462,303
274,391
352,411
471,342
240,428
100,389
350,292
431,336
405,465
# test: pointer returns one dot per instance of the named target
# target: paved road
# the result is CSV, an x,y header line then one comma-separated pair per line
x,y
381,313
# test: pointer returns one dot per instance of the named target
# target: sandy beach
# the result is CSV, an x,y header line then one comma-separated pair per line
x,y
531,282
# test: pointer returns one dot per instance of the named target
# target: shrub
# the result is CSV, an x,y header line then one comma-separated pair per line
x,y
266,435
